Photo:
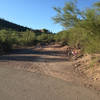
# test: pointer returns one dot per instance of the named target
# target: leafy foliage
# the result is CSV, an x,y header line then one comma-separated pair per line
x,y
82,27
10,38
12,34
68,15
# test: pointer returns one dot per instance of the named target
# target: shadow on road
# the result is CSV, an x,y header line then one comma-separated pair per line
x,y
33,51
24,55
30,58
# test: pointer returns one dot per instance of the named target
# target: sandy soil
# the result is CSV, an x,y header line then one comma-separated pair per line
x,y
48,60
22,85
89,68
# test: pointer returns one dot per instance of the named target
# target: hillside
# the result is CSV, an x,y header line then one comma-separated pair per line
x,y
4,24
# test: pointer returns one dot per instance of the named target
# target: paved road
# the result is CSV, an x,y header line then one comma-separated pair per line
x,y
21,85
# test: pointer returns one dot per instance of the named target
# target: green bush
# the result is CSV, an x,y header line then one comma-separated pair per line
x,y
45,38
81,32
27,38
9,38
6,40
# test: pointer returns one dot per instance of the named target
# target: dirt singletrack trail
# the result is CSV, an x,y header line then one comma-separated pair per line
x,y
45,63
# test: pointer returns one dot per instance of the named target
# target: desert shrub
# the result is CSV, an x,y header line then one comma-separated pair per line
x,y
27,38
45,38
62,37
82,27
6,40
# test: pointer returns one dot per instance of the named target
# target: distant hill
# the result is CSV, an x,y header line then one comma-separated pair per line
x,y
4,24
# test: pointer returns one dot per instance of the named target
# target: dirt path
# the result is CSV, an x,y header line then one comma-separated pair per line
x,y
22,85
45,62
